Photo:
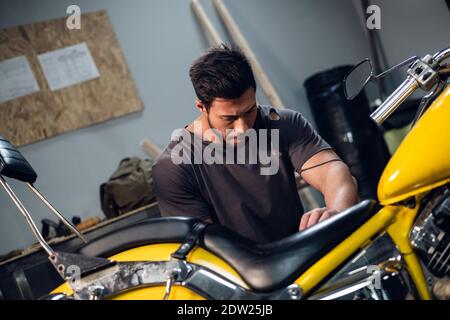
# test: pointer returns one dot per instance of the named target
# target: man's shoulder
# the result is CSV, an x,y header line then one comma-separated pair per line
x,y
169,176
288,122
280,115
165,162
163,159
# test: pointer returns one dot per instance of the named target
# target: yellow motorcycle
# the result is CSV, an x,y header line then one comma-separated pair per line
x,y
393,249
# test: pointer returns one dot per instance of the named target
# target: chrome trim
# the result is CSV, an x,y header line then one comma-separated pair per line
x,y
427,235
394,100
362,280
370,77
56,212
27,216
430,234
354,287
421,74
442,55
56,296
372,274
125,276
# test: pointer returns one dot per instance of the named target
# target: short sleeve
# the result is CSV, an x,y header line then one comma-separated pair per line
x,y
304,141
175,192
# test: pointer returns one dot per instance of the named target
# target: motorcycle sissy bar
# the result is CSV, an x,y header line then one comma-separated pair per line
x,y
14,165
15,199
60,260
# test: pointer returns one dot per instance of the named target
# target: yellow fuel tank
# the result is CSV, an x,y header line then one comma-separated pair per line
x,y
422,161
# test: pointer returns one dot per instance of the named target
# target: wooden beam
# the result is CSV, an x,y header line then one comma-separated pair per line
x,y
206,23
150,148
242,43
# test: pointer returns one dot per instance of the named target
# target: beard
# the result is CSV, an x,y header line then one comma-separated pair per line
x,y
233,138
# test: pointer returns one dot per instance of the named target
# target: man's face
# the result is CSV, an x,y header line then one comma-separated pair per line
x,y
232,116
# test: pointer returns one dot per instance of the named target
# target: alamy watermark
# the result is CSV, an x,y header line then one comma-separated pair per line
x,y
374,19
73,21
260,146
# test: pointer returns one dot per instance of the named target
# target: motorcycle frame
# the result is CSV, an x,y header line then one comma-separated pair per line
x,y
395,220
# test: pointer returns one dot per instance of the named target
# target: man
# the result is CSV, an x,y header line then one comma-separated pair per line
x,y
260,205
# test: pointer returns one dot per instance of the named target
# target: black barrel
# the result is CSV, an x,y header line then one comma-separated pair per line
x,y
347,127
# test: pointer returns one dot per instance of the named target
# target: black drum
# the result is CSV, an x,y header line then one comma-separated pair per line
x,y
347,127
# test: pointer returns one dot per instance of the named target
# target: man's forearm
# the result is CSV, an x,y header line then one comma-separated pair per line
x,y
335,182
340,190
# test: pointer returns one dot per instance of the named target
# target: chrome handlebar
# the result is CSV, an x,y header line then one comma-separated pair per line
x,y
394,100
442,55
411,84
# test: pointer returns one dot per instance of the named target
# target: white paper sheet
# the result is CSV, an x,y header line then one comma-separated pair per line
x,y
68,66
16,79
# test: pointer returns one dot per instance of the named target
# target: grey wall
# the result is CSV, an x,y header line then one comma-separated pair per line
x,y
292,39
413,27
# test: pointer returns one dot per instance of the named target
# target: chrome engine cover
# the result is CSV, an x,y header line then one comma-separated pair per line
x,y
375,273
430,235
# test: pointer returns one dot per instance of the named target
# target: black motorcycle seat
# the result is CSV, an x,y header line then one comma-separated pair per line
x,y
149,231
264,267
270,266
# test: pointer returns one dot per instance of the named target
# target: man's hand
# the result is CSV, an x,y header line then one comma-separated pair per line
x,y
334,180
315,216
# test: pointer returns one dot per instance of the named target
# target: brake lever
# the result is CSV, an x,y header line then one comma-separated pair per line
x,y
425,102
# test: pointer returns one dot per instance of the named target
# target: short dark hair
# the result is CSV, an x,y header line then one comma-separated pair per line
x,y
222,72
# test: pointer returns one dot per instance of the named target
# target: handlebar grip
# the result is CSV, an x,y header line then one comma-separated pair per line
x,y
394,100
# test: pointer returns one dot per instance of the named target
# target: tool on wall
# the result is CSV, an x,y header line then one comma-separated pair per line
x,y
150,148
242,43
206,24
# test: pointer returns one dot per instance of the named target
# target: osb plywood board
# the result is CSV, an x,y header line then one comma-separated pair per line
x,y
47,113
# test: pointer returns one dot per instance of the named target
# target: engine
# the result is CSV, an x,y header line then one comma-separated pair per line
x,y
431,234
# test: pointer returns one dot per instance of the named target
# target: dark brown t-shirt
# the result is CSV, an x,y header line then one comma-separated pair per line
x,y
260,207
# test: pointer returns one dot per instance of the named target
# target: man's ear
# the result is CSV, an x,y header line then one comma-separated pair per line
x,y
200,105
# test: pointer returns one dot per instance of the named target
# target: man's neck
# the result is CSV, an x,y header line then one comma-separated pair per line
x,y
199,126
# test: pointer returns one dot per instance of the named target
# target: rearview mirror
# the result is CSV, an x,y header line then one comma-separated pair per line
x,y
357,78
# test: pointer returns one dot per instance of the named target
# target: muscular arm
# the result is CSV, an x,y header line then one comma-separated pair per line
x,y
334,180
